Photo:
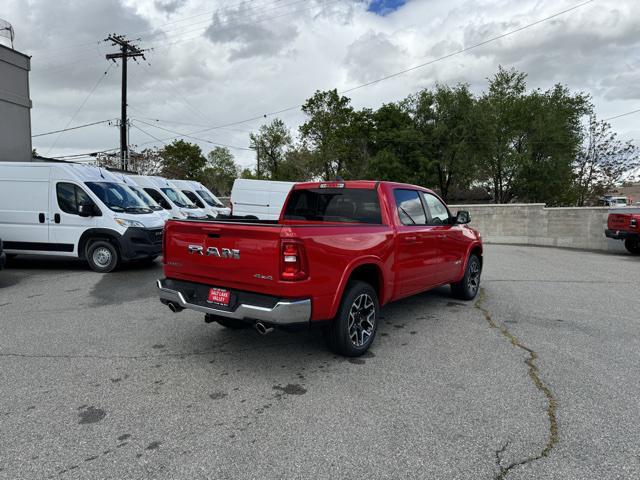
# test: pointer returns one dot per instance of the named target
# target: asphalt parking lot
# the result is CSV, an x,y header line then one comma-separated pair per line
x,y
536,379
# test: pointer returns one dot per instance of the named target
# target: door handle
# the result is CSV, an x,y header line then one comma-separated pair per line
x,y
41,217
56,218
411,239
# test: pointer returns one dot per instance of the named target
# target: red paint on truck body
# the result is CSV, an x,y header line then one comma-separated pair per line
x,y
407,259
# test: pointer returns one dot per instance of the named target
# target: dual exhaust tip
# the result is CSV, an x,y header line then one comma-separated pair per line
x,y
259,326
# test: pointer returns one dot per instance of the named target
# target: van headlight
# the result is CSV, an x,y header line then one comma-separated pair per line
x,y
128,223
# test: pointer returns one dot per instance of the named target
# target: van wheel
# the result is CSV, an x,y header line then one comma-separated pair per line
x,y
632,245
353,329
467,288
102,256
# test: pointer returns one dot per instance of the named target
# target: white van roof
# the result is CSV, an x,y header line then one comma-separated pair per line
x,y
74,171
268,185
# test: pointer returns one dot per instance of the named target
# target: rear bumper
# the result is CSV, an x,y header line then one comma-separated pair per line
x,y
621,234
278,312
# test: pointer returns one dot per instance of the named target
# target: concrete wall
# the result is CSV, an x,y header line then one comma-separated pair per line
x,y
15,106
533,224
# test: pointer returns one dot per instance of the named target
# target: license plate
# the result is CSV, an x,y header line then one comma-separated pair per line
x,y
219,296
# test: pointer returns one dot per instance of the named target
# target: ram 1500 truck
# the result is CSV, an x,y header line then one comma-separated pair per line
x,y
625,226
339,251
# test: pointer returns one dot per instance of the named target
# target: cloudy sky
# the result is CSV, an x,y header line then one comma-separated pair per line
x,y
214,63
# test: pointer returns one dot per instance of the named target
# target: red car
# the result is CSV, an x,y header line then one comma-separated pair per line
x,y
339,251
625,226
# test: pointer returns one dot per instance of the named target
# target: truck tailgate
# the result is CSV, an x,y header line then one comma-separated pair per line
x,y
236,255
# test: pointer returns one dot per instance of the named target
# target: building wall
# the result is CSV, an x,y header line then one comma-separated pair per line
x,y
533,224
15,106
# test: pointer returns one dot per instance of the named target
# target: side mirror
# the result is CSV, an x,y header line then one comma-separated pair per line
x,y
462,217
86,210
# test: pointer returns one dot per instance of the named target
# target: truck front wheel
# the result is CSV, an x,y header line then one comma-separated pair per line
x,y
632,245
354,327
467,288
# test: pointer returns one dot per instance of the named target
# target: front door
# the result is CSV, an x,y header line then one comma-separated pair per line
x,y
450,239
417,246
65,225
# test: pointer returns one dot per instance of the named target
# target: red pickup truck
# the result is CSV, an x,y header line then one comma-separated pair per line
x,y
339,251
625,226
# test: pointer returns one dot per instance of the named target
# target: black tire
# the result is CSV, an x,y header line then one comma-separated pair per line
x,y
102,256
357,316
232,324
632,245
468,287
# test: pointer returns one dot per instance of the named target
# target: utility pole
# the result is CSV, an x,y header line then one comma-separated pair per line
x,y
127,50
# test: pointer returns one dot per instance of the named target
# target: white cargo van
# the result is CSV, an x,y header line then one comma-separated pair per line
x,y
75,210
169,197
261,199
201,196
144,196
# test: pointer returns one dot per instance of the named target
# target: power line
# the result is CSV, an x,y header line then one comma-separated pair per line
x,y
102,77
179,134
71,128
622,115
148,134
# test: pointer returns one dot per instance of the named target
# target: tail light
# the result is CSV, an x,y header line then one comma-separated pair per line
x,y
293,261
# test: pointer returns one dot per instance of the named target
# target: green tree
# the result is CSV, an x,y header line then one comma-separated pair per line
x,y
271,144
450,127
220,172
504,109
182,160
326,132
602,162
396,148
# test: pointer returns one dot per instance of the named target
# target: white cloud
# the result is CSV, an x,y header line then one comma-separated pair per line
x,y
216,62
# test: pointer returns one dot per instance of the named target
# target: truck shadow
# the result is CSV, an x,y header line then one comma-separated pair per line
x,y
307,348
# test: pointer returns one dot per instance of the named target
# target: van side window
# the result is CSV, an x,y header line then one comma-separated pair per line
x,y
438,213
193,197
70,196
158,198
410,209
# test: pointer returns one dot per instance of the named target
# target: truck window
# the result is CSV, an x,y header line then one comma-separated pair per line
x,y
344,205
438,213
410,209
158,198
70,196
194,198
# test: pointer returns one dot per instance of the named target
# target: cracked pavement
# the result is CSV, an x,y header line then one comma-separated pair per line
x,y
98,380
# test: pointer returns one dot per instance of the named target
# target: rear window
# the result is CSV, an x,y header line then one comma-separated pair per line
x,y
349,205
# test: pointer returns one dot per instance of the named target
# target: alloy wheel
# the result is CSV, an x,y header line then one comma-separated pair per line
x,y
362,319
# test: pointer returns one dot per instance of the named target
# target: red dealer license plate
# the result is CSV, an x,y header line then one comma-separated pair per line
x,y
219,296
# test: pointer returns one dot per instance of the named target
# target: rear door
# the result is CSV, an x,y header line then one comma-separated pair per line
x,y
241,256
418,252
24,208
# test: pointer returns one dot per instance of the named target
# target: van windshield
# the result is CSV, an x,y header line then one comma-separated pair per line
x,y
178,198
118,198
146,198
211,200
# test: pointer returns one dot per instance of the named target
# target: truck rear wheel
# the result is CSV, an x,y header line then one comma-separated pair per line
x,y
102,256
353,329
467,288
632,245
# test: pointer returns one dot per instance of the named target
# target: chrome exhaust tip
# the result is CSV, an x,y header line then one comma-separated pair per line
x,y
263,329
175,308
